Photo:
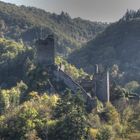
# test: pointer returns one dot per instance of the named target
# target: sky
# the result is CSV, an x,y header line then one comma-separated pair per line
x,y
94,10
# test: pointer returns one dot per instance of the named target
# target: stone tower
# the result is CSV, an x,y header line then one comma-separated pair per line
x,y
45,51
102,84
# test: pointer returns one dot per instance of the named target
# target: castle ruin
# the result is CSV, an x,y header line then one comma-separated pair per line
x,y
98,86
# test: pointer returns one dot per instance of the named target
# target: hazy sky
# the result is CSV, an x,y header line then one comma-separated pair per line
x,y
95,10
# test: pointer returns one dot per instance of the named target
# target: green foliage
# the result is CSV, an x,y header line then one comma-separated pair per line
x,y
37,78
105,133
63,118
30,23
110,114
71,69
117,44
71,123
9,50
27,112
126,93
126,116
10,98
12,58
134,120
132,86
29,119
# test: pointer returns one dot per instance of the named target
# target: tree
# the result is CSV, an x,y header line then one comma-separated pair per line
x,y
71,124
10,98
105,133
110,114
29,120
132,86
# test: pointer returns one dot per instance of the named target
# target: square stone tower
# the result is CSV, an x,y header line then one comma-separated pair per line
x,y
45,51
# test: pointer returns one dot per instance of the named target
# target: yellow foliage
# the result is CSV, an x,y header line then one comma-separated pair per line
x,y
30,124
51,123
2,117
71,69
45,98
93,132
33,95
53,100
134,136
112,114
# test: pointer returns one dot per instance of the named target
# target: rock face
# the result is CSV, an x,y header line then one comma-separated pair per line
x,y
45,54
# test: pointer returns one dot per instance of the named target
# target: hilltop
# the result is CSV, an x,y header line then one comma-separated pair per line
x,y
119,44
30,23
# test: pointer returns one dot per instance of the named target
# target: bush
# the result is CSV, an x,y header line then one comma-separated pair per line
x,y
110,114
93,133
105,133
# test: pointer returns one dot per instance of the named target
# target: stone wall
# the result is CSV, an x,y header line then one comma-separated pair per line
x,y
71,84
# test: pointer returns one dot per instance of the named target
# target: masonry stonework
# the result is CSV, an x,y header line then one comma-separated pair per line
x,y
45,54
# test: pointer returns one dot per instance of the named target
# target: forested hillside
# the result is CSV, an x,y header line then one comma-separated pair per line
x,y
29,110
119,44
17,63
29,23
37,104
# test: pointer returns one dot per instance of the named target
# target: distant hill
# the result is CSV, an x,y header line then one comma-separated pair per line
x,y
118,44
29,23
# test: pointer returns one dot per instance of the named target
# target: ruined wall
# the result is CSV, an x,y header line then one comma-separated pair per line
x,y
75,87
45,53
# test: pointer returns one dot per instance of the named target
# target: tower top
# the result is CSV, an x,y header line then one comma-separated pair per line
x,y
45,41
51,36
45,51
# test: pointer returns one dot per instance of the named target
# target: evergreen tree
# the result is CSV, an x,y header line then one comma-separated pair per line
x,y
71,124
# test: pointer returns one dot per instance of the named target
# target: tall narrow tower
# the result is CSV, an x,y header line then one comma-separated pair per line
x,y
107,86
102,85
45,51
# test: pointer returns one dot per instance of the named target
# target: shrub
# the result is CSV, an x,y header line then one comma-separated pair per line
x,y
105,133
